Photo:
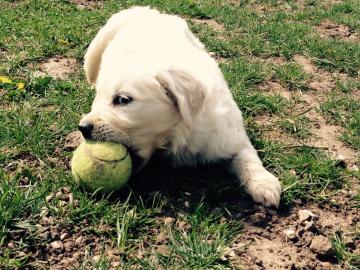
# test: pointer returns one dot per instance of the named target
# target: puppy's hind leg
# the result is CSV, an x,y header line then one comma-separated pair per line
x,y
263,186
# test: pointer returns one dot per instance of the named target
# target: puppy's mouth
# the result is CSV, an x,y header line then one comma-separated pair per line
x,y
88,133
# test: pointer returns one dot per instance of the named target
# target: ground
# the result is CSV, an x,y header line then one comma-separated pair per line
x,y
293,67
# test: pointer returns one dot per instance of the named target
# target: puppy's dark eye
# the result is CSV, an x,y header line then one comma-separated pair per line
x,y
122,100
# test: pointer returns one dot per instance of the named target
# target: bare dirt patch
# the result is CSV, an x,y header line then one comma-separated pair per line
x,y
330,29
87,4
305,63
57,67
322,81
275,88
211,23
274,60
323,134
287,241
59,247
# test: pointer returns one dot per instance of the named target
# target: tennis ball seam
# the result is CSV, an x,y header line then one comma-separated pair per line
x,y
88,152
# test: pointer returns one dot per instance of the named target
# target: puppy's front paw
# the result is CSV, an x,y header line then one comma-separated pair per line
x,y
264,188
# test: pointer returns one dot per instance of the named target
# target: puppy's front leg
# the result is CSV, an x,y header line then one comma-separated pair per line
x,y
263,187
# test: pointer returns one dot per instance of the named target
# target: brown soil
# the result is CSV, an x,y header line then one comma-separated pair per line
x,y
62,249
322,81
330,29
57,67
87,4
275,61
282,241
209,22
323,134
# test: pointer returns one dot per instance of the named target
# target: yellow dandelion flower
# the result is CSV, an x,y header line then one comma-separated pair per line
x,y
20,85
4,79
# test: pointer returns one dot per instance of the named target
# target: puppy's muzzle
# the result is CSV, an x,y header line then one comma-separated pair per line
x,y
86,129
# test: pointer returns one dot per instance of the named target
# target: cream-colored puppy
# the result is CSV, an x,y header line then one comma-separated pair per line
x,y
158,88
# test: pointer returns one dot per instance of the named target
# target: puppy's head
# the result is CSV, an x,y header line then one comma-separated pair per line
x,y
144,112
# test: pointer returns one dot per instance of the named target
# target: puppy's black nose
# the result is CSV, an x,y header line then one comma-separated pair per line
x,y
86,129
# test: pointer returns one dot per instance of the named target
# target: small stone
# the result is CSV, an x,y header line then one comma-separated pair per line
x,y
64,236
57,245
266,235
305,215
78,240
310,226
187,204
10,245
290,234
321,246
68,246
77,254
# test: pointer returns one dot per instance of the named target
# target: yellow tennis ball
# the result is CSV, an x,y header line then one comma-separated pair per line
x,y
103,166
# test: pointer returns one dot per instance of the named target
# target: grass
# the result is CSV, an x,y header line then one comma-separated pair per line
x,y
352,261
34,122
344,110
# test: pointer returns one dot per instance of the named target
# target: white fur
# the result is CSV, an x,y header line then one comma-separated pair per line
x,y
182,103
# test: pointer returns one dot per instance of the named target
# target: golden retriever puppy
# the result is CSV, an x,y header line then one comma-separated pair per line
x,y
158,88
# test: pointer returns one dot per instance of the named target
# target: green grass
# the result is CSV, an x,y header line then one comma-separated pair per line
x,y
35,121
350,259
298,126
344,110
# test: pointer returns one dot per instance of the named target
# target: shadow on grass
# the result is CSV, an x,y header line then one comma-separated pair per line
x,y
184,189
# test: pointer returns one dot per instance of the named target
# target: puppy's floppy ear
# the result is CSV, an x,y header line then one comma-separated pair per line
x,y
184,91
99,43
